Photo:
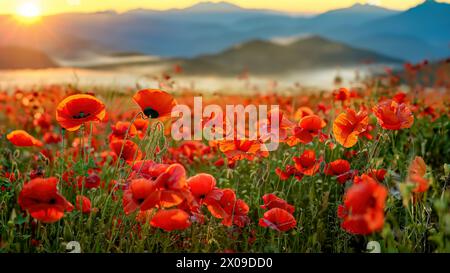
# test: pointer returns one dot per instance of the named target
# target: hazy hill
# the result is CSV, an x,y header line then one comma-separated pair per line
x,y
429,21
420,32
352,16
264,57
21,58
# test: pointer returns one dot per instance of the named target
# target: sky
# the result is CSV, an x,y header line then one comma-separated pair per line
x,y
47,7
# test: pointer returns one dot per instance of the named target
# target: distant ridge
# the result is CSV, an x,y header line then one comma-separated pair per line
x,y
417,33
356,14
213,7
268,58
22,58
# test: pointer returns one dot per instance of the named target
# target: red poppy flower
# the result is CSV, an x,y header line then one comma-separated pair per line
x,y
265,126
236,214
173,186
417,167
141,194
121,130
148,169
303,112
50,138
155,103
40,197
42,120
83,204
141,126
272,201
377,174
283,175
227,199
416,173
321,107
342,94
367,133
203,188
20,138
363,208
190,150
308,127
288,172
10,176
92,181
421,183
392,115
107,156
339,168
348,126
230,209
127,150
400,97
307,163
172,219
78,109
240,149
431,112
278,219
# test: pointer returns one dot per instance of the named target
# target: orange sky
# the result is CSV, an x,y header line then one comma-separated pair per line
x,y
293,6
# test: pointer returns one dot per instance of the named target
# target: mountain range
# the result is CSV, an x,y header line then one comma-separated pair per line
x,y
210,28
261,57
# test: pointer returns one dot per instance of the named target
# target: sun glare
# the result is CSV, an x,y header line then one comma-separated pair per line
x,y
28,12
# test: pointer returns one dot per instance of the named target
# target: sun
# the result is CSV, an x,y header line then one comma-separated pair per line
x,y
28,12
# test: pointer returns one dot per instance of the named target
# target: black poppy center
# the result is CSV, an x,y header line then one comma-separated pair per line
x,y
52,201
140,200
151,113
81,115
202,196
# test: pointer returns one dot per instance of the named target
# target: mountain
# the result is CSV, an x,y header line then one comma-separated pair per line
x,y
268,58
407,47
213,7
220,12
415,34
351,16
22,58
429,21
198,9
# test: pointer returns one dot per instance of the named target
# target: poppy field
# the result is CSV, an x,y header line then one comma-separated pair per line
x,y
357,164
